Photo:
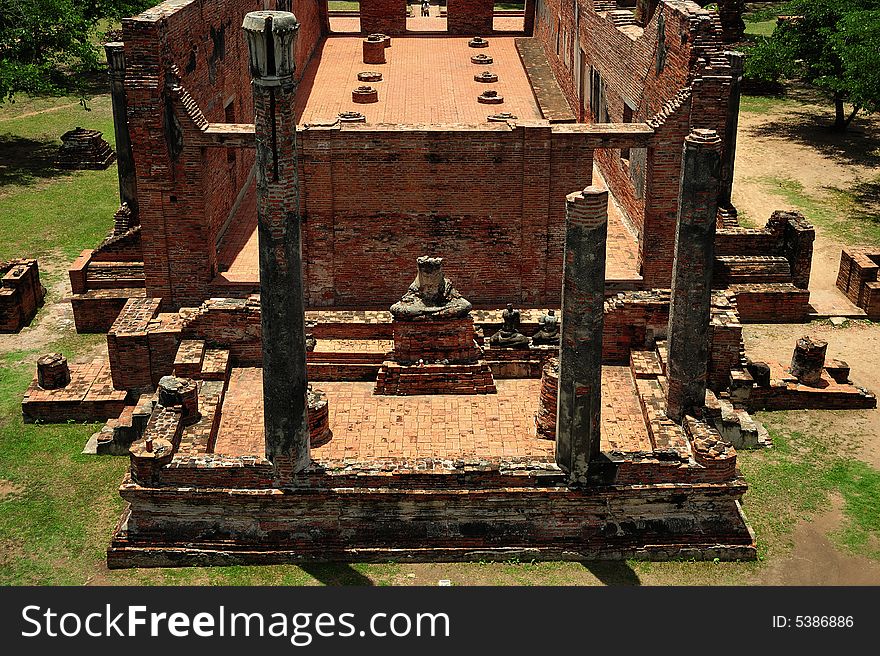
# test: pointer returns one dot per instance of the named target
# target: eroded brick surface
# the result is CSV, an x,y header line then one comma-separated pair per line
x,y
367,427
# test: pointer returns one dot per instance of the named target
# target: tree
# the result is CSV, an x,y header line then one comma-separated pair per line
x,y
833,45
46,45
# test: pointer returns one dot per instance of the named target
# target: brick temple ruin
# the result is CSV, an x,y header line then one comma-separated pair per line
x,y
490,306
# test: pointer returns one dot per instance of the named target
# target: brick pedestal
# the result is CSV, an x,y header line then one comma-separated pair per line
x,y
408,380
435,341
450,360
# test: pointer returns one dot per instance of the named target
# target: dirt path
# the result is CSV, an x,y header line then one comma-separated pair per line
x,y
38,112
816,561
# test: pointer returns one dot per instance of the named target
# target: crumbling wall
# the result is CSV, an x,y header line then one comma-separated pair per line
x,y
653,72
186,67
858,279
21,294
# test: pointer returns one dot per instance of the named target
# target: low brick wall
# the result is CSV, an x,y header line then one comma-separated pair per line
x,y
858,279
442,521
21,294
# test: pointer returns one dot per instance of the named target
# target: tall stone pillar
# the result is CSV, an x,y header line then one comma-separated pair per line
x,y
689,312
124,157
725,192
583,313
271,37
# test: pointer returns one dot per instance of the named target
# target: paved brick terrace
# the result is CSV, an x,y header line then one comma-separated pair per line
x,y
367,427
427,80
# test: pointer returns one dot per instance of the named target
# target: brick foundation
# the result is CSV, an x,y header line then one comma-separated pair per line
x,y
21,294
858,279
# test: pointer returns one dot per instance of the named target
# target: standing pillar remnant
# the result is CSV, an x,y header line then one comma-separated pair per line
x,y
690,305
124,157
583,312
271,37
808,360
53,372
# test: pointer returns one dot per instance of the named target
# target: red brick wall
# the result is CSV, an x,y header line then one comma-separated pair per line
x,y
627,63
201,44
383,16
469,17
489,200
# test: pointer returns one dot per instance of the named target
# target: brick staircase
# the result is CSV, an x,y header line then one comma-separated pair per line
x,y
408,380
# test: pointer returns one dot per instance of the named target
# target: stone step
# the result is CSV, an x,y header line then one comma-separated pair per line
x,y
189,358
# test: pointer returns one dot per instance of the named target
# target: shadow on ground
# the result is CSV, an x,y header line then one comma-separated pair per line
x,y
866,201
859,144
612,572
336,574
26,161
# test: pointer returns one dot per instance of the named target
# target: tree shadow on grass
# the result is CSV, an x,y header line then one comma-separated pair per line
x,y
336,574
612,572
857,145
26,161
865,198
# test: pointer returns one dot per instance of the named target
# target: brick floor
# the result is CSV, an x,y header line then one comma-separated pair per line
x,y
239,255
367,427
427,80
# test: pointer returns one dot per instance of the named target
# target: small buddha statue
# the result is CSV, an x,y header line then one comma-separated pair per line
x,y
431,296
311,342
509,335
548,331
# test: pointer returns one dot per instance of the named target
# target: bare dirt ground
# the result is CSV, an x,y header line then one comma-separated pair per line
x,y
816,561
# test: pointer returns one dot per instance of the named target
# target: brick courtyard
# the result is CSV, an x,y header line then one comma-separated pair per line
x,y
427,80
368,427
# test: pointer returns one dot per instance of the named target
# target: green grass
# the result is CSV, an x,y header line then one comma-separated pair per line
x,y
796,478
763,28
763,104
843,213
43,209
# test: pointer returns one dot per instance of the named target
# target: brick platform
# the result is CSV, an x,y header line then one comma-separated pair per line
x,y
88,397
786,393
368,427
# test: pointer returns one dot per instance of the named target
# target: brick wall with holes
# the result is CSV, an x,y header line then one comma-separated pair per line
x,y
199,44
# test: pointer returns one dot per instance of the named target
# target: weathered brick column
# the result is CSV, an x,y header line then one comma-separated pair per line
x,y
583,312
124,157
271,37
692,274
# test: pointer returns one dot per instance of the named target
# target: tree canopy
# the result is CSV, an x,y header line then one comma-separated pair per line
x,y
831,44
46,45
